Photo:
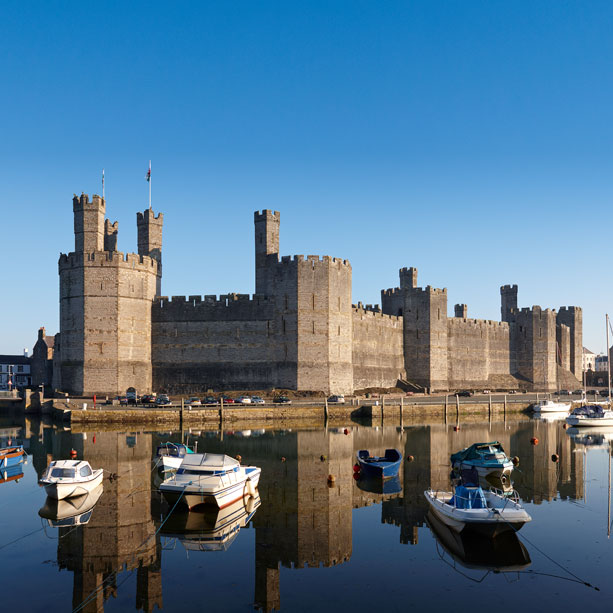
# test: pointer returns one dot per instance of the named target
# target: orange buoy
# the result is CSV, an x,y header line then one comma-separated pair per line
x,y
322,458
534,440
239,458
356,476
565,426
73,454
94,439
410,458
515,460
346,431
356,468
331,480
283,458
456,428
555,457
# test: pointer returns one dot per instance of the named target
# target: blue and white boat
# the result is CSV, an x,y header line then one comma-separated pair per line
x,y
170,456
11,456
381,467
489,460
591,415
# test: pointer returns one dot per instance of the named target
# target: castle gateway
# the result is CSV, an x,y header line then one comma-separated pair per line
x,y
298,331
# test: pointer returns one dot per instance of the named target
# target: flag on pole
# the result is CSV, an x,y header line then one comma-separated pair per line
x,y
148,176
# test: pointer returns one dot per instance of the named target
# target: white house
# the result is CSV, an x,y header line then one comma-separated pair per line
x,y
14,371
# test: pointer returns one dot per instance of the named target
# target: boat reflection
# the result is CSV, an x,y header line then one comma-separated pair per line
x,y
593,438
550,417
503,553
212,529
380,486
12,473
74,511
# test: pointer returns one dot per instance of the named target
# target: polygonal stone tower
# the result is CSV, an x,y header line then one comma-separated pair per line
x,y
105,308
266,244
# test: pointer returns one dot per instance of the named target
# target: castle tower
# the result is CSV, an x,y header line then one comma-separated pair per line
x,y
408,278
573,318
88,223
149,232
508,301
460,310
105,309
266,244
110,235
425,337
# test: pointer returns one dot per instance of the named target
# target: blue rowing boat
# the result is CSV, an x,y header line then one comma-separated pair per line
x,y
381,467
11,456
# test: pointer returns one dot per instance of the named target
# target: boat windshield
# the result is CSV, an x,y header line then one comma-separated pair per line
x,y
62,473
187,471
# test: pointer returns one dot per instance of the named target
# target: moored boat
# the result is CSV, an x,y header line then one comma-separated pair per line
x,y
210,478
381,467
67,478
591,415
489,460
11,456
470,508
551,406
12,473
170,456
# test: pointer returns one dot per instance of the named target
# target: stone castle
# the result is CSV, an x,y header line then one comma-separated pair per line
x,y
298,331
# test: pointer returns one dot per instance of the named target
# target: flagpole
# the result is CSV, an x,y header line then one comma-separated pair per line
x,y
103,184
149,184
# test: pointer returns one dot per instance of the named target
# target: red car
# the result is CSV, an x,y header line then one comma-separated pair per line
x,y
227,399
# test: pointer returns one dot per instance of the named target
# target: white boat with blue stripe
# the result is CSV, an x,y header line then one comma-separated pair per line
x,y
210,478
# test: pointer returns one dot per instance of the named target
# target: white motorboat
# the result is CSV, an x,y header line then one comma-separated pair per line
x,y
213,530
592,415
74,511
170,456
66,478
210,478
550,406
550,417
489,512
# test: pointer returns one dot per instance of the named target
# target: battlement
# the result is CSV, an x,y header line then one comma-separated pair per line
x,y
535,310
314,259
82,202
150,216
374,312
476,323
570,309
266,214
508,288
392,291
211,300
107,258
433,291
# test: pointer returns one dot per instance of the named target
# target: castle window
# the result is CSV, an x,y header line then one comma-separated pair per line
x,y
313,326
286,302
313,300
438,313
339,331
284,330
339,303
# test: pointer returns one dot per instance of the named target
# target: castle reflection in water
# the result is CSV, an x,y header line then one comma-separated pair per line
x,y
303,520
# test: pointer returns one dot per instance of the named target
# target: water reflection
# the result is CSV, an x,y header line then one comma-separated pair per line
x,y
301,517
74,511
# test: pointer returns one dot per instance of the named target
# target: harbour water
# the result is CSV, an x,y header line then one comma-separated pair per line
x,y
308,543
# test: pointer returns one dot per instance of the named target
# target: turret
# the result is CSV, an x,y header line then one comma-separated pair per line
x,y
266,244
110,235
408,278
149,229
88,223
508,301
461,310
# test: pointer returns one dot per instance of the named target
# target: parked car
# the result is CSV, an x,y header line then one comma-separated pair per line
x,y
337,398
281,400
226,399
464,393
132,397
194,402
486,391
243,400
210,400
603,392
564,393
578,393
257,400
512,391
123,400
147,399
162,400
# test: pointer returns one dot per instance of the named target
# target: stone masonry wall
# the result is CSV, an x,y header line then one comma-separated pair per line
x,y
378,359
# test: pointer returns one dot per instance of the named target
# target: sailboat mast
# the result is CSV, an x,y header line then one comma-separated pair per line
x,y
608,358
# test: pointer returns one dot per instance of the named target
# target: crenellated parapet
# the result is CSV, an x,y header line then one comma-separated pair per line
x,y
368,311
111,259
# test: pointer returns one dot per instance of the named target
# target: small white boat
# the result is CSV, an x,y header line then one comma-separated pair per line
x,y
170,456
66,478
592,415
74,511
550,406
210,478
471,508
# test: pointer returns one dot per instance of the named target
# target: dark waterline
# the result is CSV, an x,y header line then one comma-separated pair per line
x,y
311,544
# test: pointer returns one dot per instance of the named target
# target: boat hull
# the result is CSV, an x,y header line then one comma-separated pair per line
x,y
194,495
379,468
589,422
61,490
11,456
487,522
552,407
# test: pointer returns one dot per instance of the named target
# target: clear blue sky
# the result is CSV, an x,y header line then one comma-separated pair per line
x,y
469,139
